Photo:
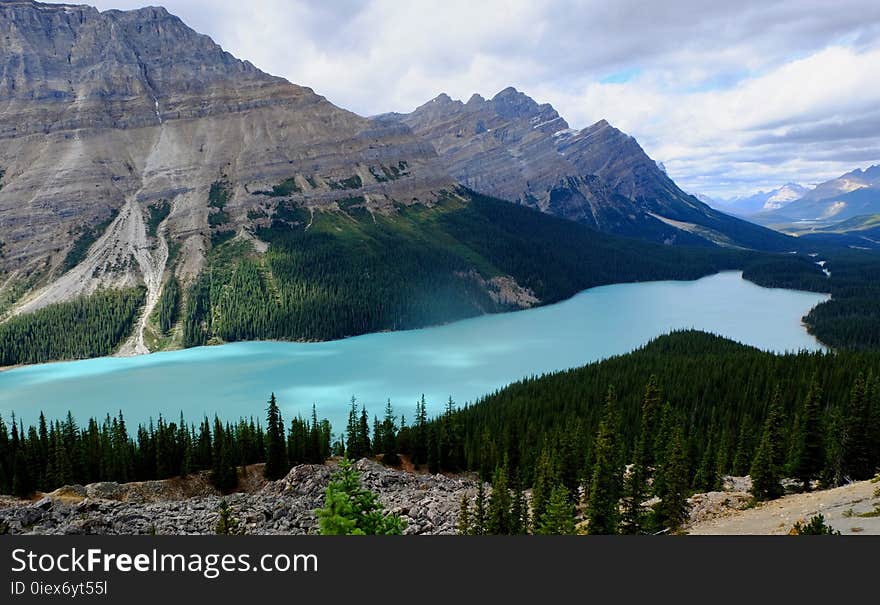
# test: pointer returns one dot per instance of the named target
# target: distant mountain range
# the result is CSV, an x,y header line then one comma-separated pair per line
x,y
759,202
851,195
515,149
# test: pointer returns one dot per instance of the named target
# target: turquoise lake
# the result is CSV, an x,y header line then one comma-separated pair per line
x,y
464,360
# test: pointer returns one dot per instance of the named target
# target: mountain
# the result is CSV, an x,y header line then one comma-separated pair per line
x,y
761,201
153,185
853,194
109,118
512,148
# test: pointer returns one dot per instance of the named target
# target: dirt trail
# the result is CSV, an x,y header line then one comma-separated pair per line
x,y
841,508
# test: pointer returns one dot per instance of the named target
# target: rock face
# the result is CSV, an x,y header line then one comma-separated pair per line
x,y
104,115
515,149
428,504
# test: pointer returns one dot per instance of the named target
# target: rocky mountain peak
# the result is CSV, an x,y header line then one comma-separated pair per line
x,y
106,116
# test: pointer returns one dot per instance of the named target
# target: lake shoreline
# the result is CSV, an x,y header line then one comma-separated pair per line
x,y
131,355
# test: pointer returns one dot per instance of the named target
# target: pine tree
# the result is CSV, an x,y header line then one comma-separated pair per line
x,y
420,434
364,444
224,474
276,450
499,521
767,464
672,511
650,421
519,507
349,509
858,463
707,479
463,527
22,484
635,492
389,437
559,518
478,520
834,440
546,477
606,483
810,456
742,458
227,524
765,478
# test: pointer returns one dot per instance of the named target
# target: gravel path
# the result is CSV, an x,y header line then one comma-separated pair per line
x,y
841,508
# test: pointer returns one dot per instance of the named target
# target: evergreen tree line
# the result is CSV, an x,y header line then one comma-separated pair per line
x,y
56,453
851,319
169,305
711,408
91,326
614,490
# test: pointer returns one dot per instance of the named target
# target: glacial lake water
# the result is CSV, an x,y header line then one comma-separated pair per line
x,y
464,360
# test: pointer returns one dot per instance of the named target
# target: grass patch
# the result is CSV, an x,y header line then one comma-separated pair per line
x,y
219,194
221,237
871,514
158,213
85,240
283,189
352,182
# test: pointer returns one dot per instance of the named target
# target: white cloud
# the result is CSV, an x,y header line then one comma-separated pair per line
x,y
717,91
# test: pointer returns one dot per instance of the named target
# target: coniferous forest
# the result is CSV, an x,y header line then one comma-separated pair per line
x,y
665,421
86,327
352,272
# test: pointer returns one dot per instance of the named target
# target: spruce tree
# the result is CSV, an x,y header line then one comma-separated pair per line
x,y
350,509
672,511
227,524
606,483
650,421
546,478
742,457
463,526
706,478
389,437
498,519
478,520
22,484
858,463
810,449
767,465
834,441
635,492
559,518
276,450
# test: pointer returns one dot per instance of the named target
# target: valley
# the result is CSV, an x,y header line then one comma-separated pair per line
x,y
586,347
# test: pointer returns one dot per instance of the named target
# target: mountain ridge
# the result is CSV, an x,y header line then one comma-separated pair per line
x,y
850,195
513,148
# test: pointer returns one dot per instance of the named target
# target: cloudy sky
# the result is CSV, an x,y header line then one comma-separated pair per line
x,y
732,96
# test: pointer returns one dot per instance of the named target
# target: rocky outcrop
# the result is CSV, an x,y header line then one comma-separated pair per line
x,y
516,149
428,504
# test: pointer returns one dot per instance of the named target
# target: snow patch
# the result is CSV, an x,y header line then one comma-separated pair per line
x,y
556,119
